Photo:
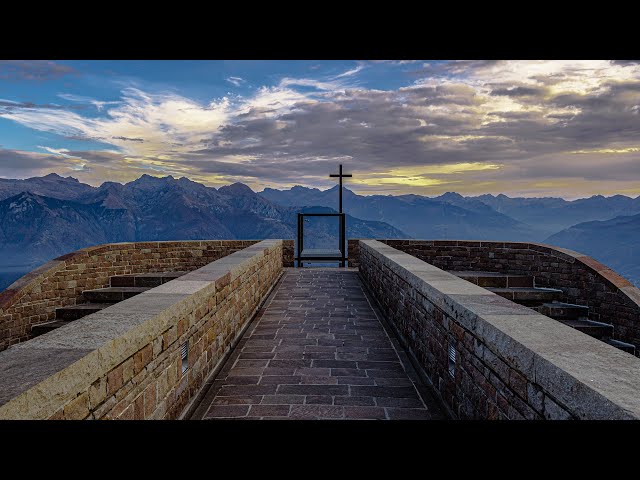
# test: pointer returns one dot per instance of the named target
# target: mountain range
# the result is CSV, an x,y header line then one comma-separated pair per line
x,y
605,228
43,217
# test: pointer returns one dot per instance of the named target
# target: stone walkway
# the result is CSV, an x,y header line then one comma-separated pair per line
x,y
317,351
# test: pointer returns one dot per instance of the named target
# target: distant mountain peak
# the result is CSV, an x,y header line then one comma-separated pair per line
x,y
149,181
451,195
146,177
236,189
55,176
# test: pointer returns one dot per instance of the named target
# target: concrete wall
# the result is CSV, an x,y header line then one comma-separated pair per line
x,y
510,362
33,298
124,361
584,281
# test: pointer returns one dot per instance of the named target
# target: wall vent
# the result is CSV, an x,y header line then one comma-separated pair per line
x,y
452,360
184,354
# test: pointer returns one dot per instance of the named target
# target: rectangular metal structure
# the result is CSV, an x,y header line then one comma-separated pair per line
x,y
317,255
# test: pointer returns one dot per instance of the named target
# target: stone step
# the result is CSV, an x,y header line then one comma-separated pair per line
x,y
564,311
494,279
41,328
594,329
112,294
624,346
528,296
75,312
144,279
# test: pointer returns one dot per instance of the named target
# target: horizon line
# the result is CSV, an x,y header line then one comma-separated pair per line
x,y
568,199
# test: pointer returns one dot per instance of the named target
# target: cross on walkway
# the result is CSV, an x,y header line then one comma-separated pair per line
x,y
340,176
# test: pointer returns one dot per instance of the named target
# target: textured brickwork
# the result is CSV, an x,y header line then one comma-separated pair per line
x,y
493,359
317,351
353,252
584,281
33,298
137,374
287,253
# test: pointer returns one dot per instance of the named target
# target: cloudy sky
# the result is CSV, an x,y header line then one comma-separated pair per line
x,y
525,128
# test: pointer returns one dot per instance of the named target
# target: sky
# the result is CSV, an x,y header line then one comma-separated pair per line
x,y
523,128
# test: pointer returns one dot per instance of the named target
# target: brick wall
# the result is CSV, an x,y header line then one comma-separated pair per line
x,y
33,298
611,298
136,371
353,252
510,362
287,253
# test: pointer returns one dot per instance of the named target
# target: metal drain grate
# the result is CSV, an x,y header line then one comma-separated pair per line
x,y
452,360
184,354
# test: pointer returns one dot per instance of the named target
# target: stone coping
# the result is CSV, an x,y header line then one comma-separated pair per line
x,y
593,379
38,376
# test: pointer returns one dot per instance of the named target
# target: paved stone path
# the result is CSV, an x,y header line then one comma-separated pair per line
x,y
317,351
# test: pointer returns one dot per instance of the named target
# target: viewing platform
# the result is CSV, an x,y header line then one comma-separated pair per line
x,y
412,329
318,351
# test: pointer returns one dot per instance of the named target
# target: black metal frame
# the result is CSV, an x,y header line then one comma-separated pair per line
x,y
342,258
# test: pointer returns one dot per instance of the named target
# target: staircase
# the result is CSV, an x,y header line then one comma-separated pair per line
x,y
120,288
521,289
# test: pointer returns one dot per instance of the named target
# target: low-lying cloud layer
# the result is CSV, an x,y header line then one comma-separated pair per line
x,y
563,128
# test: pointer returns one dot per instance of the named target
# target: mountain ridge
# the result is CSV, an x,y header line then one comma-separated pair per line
x,y
165,208
35,228
614,242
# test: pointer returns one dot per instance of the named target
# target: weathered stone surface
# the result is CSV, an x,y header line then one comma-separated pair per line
x,y
107,360
510,362
300,377
24,368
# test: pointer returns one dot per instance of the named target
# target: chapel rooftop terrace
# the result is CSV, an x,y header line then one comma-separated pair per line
x,y
319,345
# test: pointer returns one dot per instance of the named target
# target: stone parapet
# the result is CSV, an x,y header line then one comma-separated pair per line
x,y
584,281
125,361
33,298
490,358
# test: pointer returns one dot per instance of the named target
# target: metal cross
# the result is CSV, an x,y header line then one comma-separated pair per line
x,y
341,176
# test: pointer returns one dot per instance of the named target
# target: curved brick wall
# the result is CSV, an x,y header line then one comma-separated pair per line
x,y
610,297
125,361
33,298
490,358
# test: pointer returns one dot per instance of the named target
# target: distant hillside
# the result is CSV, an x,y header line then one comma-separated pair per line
x,y
52,185
612,239
555,214
35,228
483,217
615,242
420,217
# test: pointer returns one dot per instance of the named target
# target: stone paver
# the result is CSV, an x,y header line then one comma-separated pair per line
x,y
317,351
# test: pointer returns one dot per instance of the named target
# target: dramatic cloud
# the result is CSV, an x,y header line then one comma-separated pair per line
x,y
8,105
38,70
127,139
519,127
86,100
18,164
351,72
237,81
